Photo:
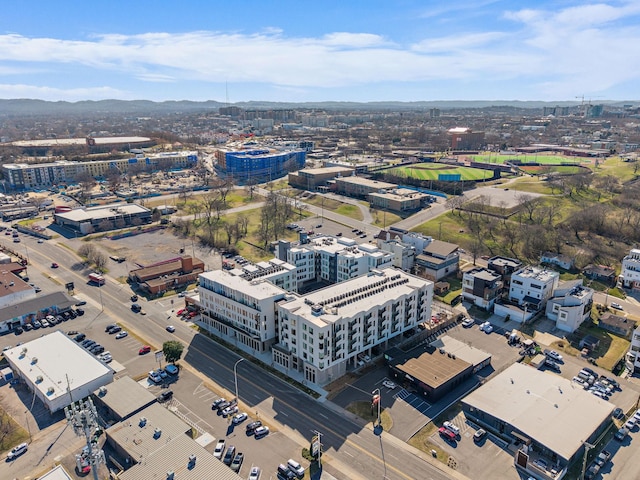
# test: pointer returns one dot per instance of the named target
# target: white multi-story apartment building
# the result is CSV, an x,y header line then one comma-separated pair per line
x,y
531,287
404,255
26,175
633,355
240,306
630,275
335,259
322,333
570,305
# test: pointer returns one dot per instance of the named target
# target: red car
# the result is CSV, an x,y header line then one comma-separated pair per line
x,y
181,311
143,350
54,265
447,434
192,314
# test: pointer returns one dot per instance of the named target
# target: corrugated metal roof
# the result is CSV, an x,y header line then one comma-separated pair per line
x,y
125,396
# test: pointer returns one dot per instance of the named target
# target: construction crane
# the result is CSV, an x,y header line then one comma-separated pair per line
x,y
586,107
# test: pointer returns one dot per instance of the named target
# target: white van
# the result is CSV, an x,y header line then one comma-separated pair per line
x,y
295,467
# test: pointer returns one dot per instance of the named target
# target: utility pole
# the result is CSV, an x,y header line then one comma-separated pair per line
x,y
83,417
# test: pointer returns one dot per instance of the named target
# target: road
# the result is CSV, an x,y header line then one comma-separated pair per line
x,y
352,450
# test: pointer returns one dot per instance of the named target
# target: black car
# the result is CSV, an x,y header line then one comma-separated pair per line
x,y
72,314
79,312
81,303
222,406
80,337
229,455
134,298
252,426
88,343
164,396
115,329
109,327
18,330
97,350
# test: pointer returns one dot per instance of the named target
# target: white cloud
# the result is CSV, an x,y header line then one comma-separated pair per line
x,y
56,94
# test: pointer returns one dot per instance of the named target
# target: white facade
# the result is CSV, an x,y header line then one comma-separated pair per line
x,y
404,255
570,305
239,308
305,261
58,370
533,286
633,355
321,333
631,269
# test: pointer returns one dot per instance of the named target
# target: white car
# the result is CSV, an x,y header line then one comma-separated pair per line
x,y
230,410
239,418
17,451
617,306
488,328
121,334
171,328
452,428
468,322
219,451
553,355
484,325
389,384
154,377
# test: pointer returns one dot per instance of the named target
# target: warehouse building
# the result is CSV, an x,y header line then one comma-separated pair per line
x,y
545,416
104,217
58,370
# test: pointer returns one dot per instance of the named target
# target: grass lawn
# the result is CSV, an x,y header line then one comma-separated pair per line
x,y
542,159
332,205
12,434
611,349
363,410
431,171
531,185
447,228
351,211
383,219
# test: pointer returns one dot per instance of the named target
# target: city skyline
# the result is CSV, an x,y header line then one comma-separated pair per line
x,y
327,51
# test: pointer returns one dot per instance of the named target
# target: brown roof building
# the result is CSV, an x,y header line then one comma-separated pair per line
x,y
168,275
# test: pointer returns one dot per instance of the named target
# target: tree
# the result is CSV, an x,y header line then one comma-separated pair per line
x,y
86,182
172,351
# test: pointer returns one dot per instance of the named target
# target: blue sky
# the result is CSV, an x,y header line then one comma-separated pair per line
x,y
323,50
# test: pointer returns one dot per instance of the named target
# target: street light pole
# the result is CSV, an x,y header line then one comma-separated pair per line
x,y
235,376
376,399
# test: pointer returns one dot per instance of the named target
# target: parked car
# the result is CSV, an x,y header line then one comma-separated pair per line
x,y
171,369
170,328
617,306
217,402
488,328
479,435
450,426
236,464
134,298
17,451
295,467
79,312
252,426
164,396
468,322
447,434
80,303
603,458
109,327
143,350
45,323
230,410
115,329
219,450
389,384
239,418
553,355
154,377
552,365
621,434
229,455
54,265
261,431
254,474
484,325
121,334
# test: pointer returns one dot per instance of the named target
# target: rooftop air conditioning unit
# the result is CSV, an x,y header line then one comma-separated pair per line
x,y
34,360
157,432
39,379
170,475
103,390
23,351
143,421
49,390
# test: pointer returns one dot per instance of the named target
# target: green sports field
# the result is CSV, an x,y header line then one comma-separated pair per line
x,y
431,171
542,159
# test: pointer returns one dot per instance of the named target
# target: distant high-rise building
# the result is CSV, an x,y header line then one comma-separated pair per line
x,y
434,113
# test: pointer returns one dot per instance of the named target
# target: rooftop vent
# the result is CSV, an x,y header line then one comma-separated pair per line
x,y
157,432
50,391
170,475
192,461
39,379
143,421
23,351
34,360
102,391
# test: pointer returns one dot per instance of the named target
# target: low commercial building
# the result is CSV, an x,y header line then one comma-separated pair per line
x,y
167,275
570,305
122,398
399,200
104,217
436,369
360,186
547,415
25,312
157,444
58,370
312,178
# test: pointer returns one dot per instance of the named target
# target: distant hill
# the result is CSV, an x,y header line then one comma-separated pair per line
x,y
41,107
